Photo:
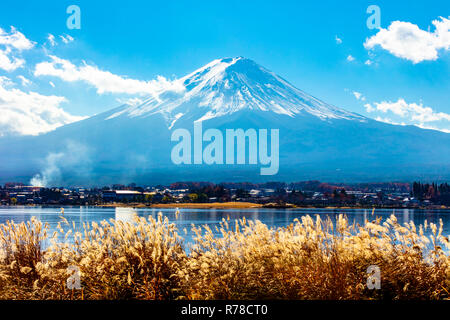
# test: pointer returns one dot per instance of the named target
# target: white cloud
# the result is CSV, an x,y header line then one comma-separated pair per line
x,y
359,95
338,40
104,81
390,121
369,107
66,39
25,81
51,83
5,81
12,43
9,63
30,113
413,113
350,58
368,62
406,40
423,126
15,39
51,39
419,125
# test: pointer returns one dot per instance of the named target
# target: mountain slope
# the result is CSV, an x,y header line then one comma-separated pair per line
x,y
317,140
225,86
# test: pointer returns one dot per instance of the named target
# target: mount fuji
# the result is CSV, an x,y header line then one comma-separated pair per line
x,y
132,143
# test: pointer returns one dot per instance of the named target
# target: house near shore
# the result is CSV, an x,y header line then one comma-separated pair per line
x,y
120,195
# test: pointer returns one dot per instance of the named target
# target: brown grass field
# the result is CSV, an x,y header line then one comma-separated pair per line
x,y
148,259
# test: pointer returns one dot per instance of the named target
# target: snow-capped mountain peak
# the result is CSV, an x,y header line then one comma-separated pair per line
x,y
225,86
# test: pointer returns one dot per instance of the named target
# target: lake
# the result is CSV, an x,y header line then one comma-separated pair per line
x,y
212,217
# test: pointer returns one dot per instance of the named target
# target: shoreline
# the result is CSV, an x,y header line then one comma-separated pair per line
x,y
222,205
250,205
212,205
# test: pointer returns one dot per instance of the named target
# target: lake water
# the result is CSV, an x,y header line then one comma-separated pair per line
x,y
212,217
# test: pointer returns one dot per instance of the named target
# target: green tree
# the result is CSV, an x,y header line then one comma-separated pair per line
x,y
148,198
193,197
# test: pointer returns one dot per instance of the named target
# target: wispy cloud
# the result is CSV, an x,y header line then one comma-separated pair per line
x,y
130,101
25,82
406,40
338,40
350,58
66,38
359,95
104,81
5,81
51,39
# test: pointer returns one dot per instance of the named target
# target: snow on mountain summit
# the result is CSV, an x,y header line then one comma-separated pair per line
x,y
225,86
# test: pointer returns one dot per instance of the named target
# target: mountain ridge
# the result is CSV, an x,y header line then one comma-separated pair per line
x,y
227,85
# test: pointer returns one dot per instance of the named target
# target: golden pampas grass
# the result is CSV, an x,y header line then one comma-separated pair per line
x,y
311,258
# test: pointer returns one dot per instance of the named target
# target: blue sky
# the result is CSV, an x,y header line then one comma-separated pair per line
x,y
401,75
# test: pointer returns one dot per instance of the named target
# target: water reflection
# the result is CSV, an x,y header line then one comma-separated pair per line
x,y
125,214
